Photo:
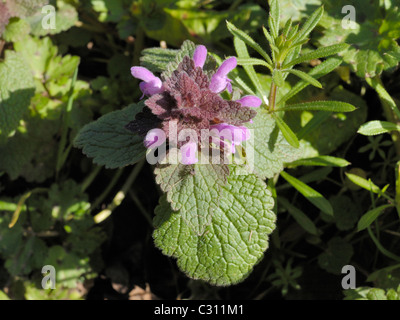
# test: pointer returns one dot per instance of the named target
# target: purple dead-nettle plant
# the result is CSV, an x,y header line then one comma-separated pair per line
x,y
189,103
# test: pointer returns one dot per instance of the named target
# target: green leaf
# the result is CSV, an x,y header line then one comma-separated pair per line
x,y
323,132
372,38
376,127
310,24
333,106
311,195
232,243
304,76
108,142
187,49
242,53
271,149
318,53
338,254
363,183
65,18
274,17
289,135
193,190
384,96
248,40
317,72
70,268
17,89
371,216
16,30
157,59
345,212
320,161
29,257
305,222
253,62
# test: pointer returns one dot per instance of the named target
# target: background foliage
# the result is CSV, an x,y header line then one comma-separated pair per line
x,y
95,223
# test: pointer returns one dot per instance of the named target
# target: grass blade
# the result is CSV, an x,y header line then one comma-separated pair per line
x,y
324,68
304,76
311,195
332,106
305,222
323,161
289,135
371,216
319,53
248,40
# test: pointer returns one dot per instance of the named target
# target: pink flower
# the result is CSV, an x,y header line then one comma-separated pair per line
x,y
220,81
250,101
235,134
199,56
154,138
151,84
188,151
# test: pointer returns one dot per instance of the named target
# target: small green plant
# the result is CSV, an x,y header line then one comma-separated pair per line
x,y
216,218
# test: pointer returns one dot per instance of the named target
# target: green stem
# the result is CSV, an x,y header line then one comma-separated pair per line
x,y
120,195
139,45
141,208
272,97
381,248
62,152
21,203
89,179
390,109
107,190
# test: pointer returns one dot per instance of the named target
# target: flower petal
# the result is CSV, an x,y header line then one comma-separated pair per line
x,y
154,138
250,101
188,152
199,56
142,74
227,66
218,84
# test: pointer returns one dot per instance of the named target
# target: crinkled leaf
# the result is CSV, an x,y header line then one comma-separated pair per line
x,y
16,30
193,190
29,257
108,142
345,212
373,40
271,150
31,154
65,18
338,254
17,89
69,267
232,243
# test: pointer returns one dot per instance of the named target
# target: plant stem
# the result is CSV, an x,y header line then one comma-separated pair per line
x,y
142,210
89,179
272,97
62,153
120,195
107,190
390,109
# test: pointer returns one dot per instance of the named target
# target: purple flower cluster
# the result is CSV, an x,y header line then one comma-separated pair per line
x,y
191,101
